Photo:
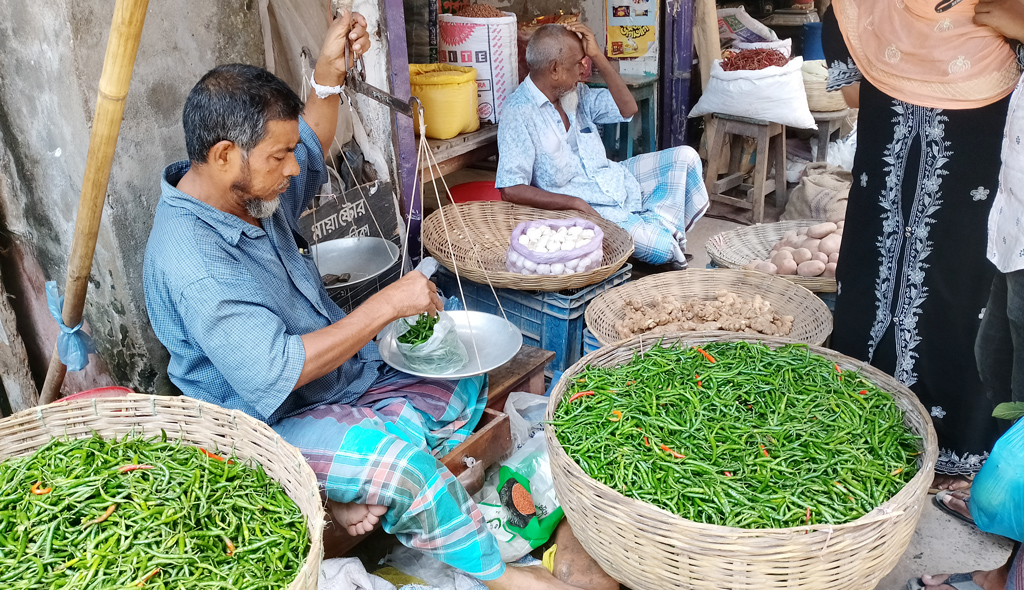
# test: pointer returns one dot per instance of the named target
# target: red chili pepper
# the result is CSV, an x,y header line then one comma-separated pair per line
x,y
148,577
218,457
579,395
671,452
110,510
728,473
231,547
39,491
863,392
710,358
897,471
698,384
838,370
647,442
630,383
127,468
617,416
765,451
808,515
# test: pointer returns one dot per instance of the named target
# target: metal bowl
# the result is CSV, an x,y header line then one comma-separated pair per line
x,y
497,340
360,258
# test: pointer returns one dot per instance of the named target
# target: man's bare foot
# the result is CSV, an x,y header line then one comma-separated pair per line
x,y
574,566
535,577
356,519
957,502
950,482
990,580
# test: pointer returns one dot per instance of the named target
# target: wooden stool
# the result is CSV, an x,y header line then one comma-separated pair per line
x,y
828,124
771,137
618,137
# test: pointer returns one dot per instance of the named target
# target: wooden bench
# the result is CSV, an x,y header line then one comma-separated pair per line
x,y
492,439
461,151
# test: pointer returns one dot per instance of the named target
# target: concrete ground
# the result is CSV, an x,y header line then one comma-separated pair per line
x,y
941,544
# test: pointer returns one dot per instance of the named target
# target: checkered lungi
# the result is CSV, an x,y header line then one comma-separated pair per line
x,y
674,198
383,450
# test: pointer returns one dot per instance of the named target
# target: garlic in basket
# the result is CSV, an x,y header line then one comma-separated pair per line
x,y
555,247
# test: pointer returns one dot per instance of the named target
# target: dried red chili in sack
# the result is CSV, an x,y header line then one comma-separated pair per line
x,y
753,59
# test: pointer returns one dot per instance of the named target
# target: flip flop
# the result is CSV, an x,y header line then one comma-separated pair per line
x,y
937,500
957,581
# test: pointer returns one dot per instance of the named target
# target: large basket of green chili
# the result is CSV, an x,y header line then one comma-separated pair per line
x,y
154,492
724,462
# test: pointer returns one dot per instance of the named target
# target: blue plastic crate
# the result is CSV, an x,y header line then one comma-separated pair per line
x,y
590,343
552,321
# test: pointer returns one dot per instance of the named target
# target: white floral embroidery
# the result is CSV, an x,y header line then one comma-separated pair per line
x,y
959,66
944,26
842,74
904,242
949,463
980,193
864,179
981,315
892,54
938,412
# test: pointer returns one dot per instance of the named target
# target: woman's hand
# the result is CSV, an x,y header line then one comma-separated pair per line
x,y
1005,16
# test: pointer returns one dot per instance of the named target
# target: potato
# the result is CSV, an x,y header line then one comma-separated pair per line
x,y
821,257
781,257
838,232
841,223
830,244
830,269
788,267
802,255
767,267
821,230
751,265
833,257
811,268
789,249
812,244
802,231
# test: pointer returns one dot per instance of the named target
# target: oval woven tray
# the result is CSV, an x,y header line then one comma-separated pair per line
x,y
737,248
480,233
646,547
812,321
197,424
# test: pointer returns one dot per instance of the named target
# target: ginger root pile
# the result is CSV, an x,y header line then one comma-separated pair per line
x,y
728,311
808,252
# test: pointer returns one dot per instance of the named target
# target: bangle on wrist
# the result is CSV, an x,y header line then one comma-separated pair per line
x,y
323,92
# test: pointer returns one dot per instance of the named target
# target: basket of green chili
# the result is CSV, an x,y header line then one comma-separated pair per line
x,y
719,461
154,492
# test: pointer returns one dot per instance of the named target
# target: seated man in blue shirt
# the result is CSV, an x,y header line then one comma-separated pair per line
x,y
551,155
234,296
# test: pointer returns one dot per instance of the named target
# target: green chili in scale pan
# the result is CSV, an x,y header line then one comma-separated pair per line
x,y
421,331
739,434
118,514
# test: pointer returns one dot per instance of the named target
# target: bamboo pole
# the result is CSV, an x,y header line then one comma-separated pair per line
x,y
122,47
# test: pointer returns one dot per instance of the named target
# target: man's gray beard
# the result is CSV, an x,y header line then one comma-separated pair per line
x,y
569,101
261,209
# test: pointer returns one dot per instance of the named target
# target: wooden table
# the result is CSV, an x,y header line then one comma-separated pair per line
x,y
828,124
643,90
461,151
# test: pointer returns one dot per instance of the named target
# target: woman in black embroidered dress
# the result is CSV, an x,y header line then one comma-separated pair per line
x,y
913,278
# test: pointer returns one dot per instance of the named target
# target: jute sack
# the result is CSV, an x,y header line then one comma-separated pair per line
x,y
821,194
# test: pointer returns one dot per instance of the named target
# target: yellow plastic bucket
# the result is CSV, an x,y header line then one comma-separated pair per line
x,y
448,94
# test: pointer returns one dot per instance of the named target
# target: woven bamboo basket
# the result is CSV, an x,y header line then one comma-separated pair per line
x,y
646,547
195,423
480,232
819,99
736,248
812,321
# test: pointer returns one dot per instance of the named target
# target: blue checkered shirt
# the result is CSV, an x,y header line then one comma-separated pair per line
x,y
230,300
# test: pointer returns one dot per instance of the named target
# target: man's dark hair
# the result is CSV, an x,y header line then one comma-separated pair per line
x,y
234,102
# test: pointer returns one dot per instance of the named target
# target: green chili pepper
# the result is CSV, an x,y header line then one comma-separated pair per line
x,y
767,435
420,331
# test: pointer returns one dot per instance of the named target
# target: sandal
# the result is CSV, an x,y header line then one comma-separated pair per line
x,y
956,581
938,501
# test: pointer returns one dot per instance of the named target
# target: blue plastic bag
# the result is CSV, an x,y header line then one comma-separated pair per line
x,y
997,493
72,343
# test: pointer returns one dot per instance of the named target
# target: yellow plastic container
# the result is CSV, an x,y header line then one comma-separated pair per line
x,y
448,94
